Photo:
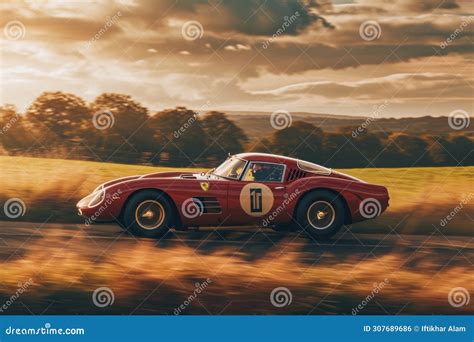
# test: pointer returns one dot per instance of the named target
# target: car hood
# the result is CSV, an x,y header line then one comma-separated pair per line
x,y
171,175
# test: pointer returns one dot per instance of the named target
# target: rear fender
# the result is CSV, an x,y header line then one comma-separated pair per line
x,y
352,192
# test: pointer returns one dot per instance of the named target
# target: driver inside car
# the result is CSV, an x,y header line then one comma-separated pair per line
x,y
261,172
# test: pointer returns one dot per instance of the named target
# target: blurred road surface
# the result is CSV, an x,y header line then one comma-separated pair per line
x,y
236,270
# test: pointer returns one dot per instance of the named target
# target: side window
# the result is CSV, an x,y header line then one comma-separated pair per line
x,y
264,172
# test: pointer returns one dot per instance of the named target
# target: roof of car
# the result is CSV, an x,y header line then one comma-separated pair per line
x,y
291,162
265,157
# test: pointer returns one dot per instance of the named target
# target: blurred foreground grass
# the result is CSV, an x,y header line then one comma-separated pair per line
x,y
419,197
155,277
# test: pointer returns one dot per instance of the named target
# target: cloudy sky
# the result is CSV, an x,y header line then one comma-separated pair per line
x,y
342,57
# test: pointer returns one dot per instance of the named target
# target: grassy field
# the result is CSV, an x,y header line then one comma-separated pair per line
x,y
419,197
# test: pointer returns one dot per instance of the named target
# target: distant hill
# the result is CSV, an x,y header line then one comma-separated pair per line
x,y
256,124
298,114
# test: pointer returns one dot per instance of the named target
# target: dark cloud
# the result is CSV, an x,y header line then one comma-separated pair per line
x,y
426,5
319,56
400,6
250,17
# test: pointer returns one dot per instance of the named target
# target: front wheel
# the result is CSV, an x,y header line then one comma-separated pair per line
x,y
321,214
148,213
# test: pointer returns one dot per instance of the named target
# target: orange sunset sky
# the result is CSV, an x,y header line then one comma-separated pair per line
x,y
235,55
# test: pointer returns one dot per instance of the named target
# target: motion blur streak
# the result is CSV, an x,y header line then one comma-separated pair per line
x,y
68,262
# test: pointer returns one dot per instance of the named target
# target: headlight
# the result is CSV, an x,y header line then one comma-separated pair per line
x,y
97,198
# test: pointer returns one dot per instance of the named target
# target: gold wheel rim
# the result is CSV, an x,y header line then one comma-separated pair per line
x,y
321,215
150,214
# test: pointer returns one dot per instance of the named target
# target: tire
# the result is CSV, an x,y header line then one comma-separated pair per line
x,y
321,214
148,213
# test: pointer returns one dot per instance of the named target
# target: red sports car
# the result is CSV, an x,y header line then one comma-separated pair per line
x,y
246,189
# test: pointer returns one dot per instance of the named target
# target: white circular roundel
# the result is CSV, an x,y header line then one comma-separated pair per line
x,y
256,199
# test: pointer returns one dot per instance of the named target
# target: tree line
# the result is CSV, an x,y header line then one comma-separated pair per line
x,y
116,128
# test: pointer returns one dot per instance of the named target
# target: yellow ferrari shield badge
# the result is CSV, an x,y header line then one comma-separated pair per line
x,y
204,186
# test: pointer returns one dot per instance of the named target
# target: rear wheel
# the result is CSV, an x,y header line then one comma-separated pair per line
x,y
148,213
321,214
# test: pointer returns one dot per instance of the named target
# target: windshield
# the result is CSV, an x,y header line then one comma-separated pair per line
x,y
231,168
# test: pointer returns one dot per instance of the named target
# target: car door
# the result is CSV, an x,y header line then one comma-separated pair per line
x,y
254,200
202,200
